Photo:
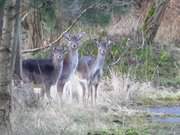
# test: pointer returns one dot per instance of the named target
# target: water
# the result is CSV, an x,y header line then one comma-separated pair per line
x,y
172,114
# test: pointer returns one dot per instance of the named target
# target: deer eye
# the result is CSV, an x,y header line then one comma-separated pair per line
x,y
102,51
74,46
59,56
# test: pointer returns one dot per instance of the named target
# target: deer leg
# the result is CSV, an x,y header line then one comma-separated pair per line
x,y
84,91
95,90
47,89
60,87
89,91
91,94
42,93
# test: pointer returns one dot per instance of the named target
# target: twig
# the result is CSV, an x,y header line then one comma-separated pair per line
x,y
118,60
25,15
61,36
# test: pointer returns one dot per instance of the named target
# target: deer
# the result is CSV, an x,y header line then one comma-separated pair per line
x,y
44,72
90,69
70,60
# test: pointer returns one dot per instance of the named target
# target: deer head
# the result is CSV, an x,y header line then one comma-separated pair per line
x,y
74,40
58,55
103,46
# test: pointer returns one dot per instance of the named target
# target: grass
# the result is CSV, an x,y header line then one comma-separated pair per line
x,y
117,112
162,98
70,120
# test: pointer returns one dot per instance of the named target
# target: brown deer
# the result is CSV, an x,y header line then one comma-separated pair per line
x,y
90,69
70,61
44,72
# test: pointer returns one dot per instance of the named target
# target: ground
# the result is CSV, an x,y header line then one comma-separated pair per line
x,y
123,108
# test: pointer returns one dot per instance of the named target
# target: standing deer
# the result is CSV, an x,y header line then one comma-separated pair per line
x,y
70,61
44,72
90,69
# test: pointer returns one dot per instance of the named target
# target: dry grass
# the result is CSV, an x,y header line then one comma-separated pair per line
x,y
74,118
169,30
127,25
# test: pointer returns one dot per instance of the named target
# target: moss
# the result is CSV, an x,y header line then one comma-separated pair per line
x,y
151,13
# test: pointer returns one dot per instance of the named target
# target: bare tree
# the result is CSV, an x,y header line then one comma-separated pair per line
x,y
5,80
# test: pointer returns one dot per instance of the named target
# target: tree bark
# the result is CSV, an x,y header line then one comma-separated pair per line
x,y
5,80
32,26
34,30
153,19
1,21
59,17
15,61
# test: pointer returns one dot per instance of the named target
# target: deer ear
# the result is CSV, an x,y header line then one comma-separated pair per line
x,y
54,49
109,43
64,49
97,42
81,35
67,36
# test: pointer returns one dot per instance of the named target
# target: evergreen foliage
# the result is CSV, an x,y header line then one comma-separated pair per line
x,y
2,2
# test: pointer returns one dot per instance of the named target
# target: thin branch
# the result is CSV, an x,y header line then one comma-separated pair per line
x,y
25,15
119,59
61,36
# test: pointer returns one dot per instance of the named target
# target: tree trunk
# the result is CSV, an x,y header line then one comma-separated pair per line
x,y
15,61
32,27
153,19
5,80
59,21
1,21
34,30
59,17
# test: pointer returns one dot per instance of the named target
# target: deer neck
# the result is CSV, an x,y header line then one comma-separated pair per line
x,y
99,63
73,60
57,69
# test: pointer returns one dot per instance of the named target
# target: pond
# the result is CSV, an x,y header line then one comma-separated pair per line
x,y
169,114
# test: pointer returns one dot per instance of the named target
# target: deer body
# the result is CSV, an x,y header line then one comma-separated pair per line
x,y
44,72
91,69
70,61
69,67
69,64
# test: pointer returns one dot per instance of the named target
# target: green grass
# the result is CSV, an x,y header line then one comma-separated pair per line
x,y
140,129
160,98
145,64
171,82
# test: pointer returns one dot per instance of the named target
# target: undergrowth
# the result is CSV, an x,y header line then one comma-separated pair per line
x,y
143,63
149,63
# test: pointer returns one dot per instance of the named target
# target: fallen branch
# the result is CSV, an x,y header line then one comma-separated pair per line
x,y
61,36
